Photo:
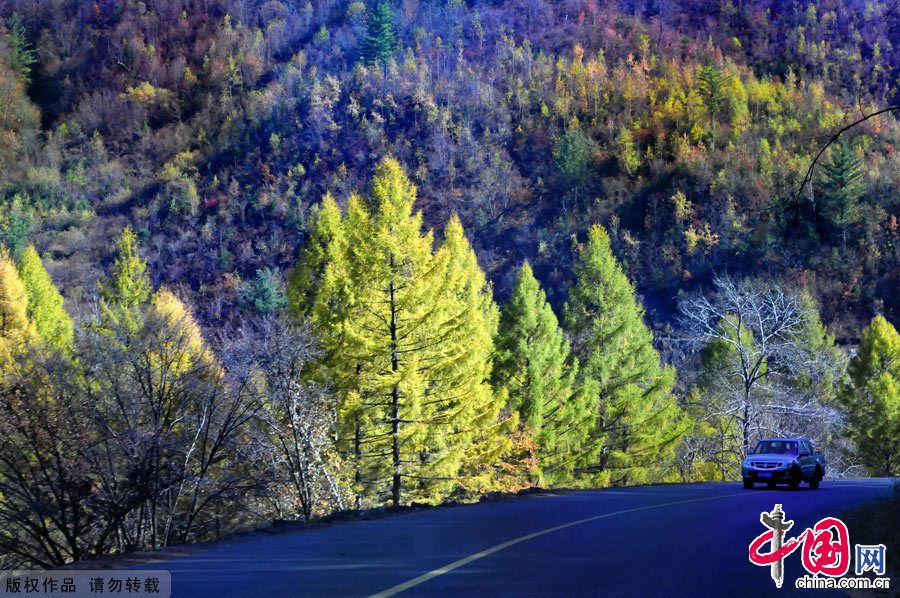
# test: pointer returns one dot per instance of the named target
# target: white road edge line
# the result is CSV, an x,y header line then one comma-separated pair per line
x,y
489,551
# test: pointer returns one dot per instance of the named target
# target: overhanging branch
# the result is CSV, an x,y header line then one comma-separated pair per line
x,y
809,172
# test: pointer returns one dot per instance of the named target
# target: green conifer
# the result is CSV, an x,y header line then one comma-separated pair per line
x,y
626,151
16,331
636,414
21,54
306,277
45,304
381,40
407,335
263,293
712,89
843,186
128,288
532,363
871,395
461,369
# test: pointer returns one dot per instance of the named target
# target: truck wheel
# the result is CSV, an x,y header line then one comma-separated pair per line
x,y
796,477
817,477
748,484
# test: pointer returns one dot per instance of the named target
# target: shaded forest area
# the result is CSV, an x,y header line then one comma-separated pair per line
x,y
271,260
212,127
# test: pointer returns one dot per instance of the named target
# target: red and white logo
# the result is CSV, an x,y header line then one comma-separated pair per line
x,y
826,546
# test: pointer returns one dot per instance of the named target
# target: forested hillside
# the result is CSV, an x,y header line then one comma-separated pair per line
x,y
286,257
212,127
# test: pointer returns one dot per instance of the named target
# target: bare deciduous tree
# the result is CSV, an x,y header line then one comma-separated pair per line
x,y
47,514
763,373
129,442
139,438
294,437
758,323
169,425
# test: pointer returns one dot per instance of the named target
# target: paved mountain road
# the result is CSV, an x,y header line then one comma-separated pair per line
x,y
687,540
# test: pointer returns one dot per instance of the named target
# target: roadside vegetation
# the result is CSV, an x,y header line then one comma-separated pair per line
x,y
878,523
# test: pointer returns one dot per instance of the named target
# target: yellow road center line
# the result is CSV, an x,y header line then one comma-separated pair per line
x,y
489,551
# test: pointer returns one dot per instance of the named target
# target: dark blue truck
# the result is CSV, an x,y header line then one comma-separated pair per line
x,y
783,461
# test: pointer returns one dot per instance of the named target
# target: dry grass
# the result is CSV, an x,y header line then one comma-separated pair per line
x,y
879,523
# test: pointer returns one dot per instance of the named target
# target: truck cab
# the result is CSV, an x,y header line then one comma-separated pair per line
x,y
783,461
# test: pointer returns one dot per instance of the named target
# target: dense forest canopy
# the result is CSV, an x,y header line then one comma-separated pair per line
x,y
212,127
272,259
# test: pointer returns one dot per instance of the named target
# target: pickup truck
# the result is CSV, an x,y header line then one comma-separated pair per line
x,y
783,460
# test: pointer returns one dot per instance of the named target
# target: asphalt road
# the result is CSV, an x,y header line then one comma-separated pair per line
x,y
687,540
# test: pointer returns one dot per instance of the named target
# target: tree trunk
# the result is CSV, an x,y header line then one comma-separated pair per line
x,y
357,452
396,486
395,449
357,474
745,424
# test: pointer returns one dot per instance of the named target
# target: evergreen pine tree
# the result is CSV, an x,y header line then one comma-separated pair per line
x,y
381,40
15,226
871,395
636,414
15,328
712,90
843,186
263,293
532,362
574,152
21,55
305,278
461,370
128,289
45,304
626,151
817,348
407,336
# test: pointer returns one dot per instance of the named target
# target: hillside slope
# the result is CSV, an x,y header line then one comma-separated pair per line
x,y
213,126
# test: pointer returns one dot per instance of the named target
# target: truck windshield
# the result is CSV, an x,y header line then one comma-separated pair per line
x,y
776,447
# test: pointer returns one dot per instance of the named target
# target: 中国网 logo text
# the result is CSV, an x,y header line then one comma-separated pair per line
x,y
825,554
